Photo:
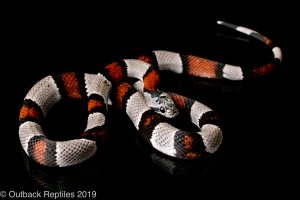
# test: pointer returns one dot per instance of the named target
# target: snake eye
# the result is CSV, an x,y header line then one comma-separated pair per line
x,y
162,110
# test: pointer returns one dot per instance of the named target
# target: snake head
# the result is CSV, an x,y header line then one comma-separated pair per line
x,y
162,103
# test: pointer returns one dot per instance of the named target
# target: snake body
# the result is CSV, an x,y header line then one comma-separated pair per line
x,y
141,100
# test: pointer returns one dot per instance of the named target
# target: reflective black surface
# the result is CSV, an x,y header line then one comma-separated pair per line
x,y
258,125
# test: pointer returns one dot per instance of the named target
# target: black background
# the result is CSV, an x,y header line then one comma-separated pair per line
x,y
259,127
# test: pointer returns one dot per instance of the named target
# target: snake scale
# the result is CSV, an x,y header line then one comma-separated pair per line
x,y
141,100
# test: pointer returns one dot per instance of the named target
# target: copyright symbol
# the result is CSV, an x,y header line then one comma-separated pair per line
x,y
2,194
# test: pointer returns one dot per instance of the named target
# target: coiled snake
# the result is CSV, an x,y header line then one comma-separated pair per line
x,y
141,100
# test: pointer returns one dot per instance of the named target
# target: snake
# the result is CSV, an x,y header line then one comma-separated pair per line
x,y
133,84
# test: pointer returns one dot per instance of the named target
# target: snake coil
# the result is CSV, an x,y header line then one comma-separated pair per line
x,y
145,105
